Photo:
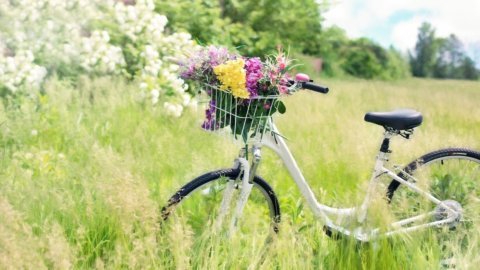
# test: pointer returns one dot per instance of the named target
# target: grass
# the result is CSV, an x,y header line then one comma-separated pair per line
x,y
84,174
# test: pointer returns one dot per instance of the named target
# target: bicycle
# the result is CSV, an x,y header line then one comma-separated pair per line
x,y
437,190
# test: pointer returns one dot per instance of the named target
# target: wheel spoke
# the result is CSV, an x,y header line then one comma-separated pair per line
x,y
205,208
452,178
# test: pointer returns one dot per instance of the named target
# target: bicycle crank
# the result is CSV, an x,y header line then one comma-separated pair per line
x,y
442,213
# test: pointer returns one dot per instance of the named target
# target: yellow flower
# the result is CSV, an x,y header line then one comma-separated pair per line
x,y
232,76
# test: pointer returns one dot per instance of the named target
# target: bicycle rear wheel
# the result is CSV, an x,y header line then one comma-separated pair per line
x,y
195,208
453,176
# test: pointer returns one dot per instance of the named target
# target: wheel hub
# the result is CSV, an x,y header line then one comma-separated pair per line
x,y
441,213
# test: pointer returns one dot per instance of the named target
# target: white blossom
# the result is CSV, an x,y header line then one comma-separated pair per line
x,y
59,31
172,109
186,99
155,95
98,55
20,70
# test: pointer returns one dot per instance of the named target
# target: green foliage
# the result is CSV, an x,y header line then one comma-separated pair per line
x,y
360,58
256,28
468,69
441,57
332,41
397,66
425,51
277,23
201,18
365,59
361,63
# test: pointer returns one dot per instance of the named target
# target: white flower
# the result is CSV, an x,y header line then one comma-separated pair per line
x,y
155,94
186,99
131,13
158,23
150,52
66,42
19,70
149,4
173,109
105,36
50,25
11,65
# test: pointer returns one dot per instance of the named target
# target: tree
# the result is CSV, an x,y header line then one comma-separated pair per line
x,y
468,69
449,58
256,28
278,22
397,65
201,18
423,59
253,27
332,41
366,59
363,59
441,57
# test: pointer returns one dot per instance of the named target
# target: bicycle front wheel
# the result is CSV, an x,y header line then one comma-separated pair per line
x,y
451,175
196,207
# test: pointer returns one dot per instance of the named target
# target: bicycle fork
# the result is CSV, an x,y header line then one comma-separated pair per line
x,y
247,173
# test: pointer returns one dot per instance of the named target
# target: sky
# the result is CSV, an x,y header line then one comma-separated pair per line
x,y
396,22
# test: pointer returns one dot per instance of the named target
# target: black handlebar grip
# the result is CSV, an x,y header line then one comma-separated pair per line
x,y
314,87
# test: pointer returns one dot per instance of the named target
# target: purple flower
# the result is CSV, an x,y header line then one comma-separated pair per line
x,y
210,123
189,72
218,56
253,67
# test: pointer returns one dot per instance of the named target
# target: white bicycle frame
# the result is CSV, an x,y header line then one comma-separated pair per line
x,y
275,142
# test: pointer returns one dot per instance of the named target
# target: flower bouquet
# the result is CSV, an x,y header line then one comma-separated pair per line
x,y
244,92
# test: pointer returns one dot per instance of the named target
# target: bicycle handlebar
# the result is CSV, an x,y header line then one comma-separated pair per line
x,y
314,87
310,86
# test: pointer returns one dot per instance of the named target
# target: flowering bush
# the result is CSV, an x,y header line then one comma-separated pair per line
x,y
149,57
19,70
243,91
95,37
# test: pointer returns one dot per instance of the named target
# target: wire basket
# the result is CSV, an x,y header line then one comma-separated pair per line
x,y
244,120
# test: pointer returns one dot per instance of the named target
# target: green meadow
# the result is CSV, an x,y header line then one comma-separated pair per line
x,y
86,168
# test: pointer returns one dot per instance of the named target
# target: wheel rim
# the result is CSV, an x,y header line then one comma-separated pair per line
x,y
449,179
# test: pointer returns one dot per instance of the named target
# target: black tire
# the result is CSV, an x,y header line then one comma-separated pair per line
x,y
429,158
448,174
263,198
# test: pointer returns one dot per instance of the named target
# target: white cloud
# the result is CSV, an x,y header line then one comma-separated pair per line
x,y
404,34
363,17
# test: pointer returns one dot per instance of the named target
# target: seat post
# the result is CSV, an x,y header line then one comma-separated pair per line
x,y
378,170
384,148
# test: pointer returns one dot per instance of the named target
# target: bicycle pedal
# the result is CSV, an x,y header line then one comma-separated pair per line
x,y
335,235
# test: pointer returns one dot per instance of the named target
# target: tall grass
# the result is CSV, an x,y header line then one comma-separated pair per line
x,y
84,174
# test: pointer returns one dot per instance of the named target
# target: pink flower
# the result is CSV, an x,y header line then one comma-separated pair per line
x,y
273,76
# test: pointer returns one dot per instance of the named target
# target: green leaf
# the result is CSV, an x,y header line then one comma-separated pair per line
x,y
281,107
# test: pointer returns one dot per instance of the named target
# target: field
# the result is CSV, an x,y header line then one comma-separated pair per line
x,y
85,172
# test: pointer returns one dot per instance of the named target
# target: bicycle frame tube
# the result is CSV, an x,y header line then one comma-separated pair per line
x,y
278,145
